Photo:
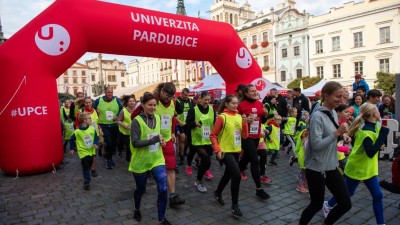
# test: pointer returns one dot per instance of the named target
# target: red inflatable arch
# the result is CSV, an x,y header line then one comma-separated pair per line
x,y
36,55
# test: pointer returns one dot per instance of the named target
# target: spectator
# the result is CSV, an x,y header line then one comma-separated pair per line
x,y
281,101
360,82
387,109
374,96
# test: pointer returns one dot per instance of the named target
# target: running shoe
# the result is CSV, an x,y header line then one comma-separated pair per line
x,y
243,176
200,186
301,188
260,193
264,179
208,175
219,199
189,170
326,209
236,211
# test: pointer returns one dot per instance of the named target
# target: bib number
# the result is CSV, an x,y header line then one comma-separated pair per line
x,y
71,127
293,128
156,146
165,121
278,134
109,115
184,116
88,140
206,132
237,141
254,127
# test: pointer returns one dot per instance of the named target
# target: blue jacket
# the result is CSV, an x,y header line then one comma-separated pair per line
x,y
362,83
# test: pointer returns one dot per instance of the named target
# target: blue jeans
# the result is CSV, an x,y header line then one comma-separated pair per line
x,y
373,187
160,176
86,165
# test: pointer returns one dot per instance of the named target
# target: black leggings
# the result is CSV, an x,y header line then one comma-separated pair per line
x,y
232,173
334,181
124,142
249,147
263,160
204,152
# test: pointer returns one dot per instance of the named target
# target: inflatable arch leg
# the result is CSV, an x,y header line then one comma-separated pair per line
x,y
36,55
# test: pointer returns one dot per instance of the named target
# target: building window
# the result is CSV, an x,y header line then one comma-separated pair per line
x,y
319,47
93,77
83,73
74,81
75,91
284,52
111,78
266,60
320,71
122,84
336,70
123,74
265,36
335,43
296,50
283,75
384,65
299,73
254,39
358,39
74,73
384,33
65,80
83,80
358,68
245,41
66,73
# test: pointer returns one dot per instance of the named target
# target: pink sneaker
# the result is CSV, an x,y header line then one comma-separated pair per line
x,y
243,176
301,188
264,179
208,175
189,170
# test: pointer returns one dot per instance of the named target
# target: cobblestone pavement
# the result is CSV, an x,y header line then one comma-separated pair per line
x,y
59,198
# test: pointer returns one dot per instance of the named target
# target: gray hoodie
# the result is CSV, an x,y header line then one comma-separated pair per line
x,y
320,153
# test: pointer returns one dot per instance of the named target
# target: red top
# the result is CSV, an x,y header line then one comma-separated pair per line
x,y
257,109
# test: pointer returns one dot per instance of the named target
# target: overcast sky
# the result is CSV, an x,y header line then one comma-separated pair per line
x,y
15,14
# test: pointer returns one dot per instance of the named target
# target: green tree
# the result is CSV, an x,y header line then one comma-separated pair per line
x,y
64,96
386,82
307,82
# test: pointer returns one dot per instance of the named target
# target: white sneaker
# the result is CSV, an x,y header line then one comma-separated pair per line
x,y
326,209
200,186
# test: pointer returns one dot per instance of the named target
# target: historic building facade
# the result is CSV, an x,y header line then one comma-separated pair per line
x,y
357,38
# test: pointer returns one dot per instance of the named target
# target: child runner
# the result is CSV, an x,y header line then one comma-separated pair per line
x,y
230,128
262,153
290,129
362,165
85,141
273,138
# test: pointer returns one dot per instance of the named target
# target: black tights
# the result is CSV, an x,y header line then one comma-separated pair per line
x,y
334,181
204,152
232,173
249,147
263,160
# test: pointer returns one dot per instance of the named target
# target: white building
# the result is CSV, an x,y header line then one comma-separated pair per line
x,y
292,44
76,79
357,38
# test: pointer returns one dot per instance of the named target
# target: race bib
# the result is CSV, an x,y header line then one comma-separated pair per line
x,y
237,137
156,146
206,132
88,140
278,134
292,129
184,116
109,115
71,127
254,127
165,121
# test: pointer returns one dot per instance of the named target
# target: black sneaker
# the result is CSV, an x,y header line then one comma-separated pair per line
x,y
137,215
260,193
86,186
273,163
292,160
164,222
236,211
176,170
94,173
174,200
219,199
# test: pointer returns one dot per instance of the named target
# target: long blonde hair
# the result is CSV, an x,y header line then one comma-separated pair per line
x,y
366,111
